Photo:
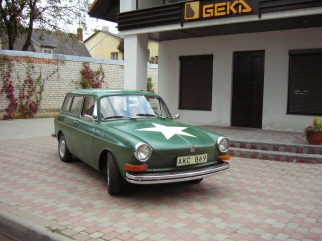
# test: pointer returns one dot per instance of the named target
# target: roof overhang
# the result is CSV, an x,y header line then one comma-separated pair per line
x,y
109,10
105,10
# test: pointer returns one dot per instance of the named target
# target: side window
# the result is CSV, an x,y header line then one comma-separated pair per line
x,y
67,102
76,105
89,107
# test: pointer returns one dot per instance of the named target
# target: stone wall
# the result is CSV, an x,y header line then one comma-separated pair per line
x,y
61,73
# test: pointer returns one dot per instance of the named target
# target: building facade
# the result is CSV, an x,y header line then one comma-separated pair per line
x,y
243,63
104,44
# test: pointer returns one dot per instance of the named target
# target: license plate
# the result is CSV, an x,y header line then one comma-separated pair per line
x,y
191,160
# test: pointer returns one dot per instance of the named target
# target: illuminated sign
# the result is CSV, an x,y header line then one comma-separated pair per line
x,y
195,10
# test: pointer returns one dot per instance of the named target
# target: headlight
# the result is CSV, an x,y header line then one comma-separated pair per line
x,y
223,144
142,152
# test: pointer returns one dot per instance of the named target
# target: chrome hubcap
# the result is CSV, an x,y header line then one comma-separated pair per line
x,y
108,176
62,147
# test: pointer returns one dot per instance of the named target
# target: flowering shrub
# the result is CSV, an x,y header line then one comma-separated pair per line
x,y
29,91
8,88
315,127
30,95
90,78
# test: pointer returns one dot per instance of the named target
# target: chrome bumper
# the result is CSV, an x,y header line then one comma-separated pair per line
x,y
169,177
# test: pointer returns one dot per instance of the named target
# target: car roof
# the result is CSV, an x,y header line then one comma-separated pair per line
x,y
105,92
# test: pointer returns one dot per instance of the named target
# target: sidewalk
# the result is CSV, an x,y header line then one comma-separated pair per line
x,y
42,198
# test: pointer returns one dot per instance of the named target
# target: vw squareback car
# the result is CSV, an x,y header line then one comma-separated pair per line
x,y
132,137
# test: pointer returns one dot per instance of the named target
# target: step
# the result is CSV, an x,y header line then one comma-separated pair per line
x,y
277,152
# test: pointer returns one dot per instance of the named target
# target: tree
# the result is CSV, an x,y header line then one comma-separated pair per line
x,y
18,18
120,47
149,85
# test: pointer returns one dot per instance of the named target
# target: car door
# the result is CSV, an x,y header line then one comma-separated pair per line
x,y
84,129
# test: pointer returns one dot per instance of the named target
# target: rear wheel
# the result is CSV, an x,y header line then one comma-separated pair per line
x,y
114,178
63,150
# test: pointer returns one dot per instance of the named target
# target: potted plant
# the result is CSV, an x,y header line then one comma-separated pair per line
x,y
313,133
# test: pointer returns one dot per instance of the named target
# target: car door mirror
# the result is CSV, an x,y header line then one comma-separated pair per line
x,y
176,117
88,118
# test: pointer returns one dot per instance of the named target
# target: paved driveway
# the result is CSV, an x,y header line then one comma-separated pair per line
x,y
254,200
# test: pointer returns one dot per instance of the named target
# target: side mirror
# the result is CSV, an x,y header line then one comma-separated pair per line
x,y
88,118
176,117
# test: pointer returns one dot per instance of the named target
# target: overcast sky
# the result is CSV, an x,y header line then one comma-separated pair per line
x,y
94,23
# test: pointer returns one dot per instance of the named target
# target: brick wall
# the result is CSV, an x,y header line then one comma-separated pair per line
x,y
61,74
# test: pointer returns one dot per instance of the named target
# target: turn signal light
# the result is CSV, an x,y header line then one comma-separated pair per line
x,y
224,158
135,168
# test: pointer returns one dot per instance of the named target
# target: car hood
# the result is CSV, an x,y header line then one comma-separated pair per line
x,y
165,134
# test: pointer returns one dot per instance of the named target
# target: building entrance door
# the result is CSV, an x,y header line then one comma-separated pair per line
x,y
248,85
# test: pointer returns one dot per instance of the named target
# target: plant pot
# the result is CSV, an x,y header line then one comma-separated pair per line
x,y
315,138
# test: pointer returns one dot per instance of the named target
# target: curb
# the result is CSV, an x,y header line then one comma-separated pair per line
x,y
20,228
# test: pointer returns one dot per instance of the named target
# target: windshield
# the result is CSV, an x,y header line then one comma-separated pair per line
x,y
132,106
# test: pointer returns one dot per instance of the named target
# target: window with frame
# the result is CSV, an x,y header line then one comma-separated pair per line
x,y
114,55
47,51
67,102
76,105
89,106
305,82
196,82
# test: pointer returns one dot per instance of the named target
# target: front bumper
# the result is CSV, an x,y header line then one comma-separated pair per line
x,y
178,176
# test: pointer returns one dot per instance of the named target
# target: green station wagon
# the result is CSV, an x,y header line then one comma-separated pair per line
x,y
132,137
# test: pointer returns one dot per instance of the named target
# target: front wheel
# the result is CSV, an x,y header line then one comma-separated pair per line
x,y
114,178
63,151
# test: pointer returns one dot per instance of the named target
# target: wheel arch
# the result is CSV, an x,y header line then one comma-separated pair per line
x,y
103,159
60,132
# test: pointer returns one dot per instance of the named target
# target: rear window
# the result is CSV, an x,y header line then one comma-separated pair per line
x,y
67,103
76,105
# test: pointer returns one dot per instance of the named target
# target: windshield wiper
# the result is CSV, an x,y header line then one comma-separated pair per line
x,y
114,117
151,115
119,117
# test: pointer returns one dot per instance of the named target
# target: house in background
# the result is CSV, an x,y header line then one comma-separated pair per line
x,y
104,44
52,42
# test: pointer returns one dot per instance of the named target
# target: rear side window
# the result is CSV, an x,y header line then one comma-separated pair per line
x,y
67,103
76,105
89,106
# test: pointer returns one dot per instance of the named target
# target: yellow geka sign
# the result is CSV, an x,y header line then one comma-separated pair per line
x,y
195,10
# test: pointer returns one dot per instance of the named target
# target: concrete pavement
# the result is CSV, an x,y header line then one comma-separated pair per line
x,y
42,198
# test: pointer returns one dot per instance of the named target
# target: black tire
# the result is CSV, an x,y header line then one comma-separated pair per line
x,y
196,181
114,178
63,151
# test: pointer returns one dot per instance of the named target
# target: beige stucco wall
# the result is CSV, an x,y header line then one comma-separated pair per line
x,y
154,50
101,45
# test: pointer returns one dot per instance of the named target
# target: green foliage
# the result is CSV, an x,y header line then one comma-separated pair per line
x,y
315,127
149,85
120,47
